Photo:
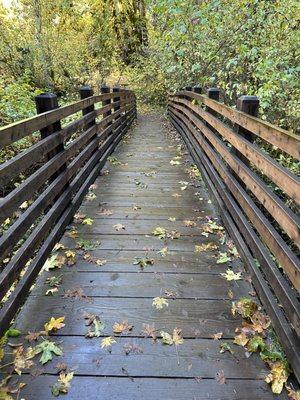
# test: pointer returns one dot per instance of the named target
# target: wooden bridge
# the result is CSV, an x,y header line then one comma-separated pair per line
x,y
139,273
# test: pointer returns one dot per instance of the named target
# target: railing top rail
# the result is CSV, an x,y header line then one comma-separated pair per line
x,y
284,140
20,129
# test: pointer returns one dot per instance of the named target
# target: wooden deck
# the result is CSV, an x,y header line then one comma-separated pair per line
x,y
200,298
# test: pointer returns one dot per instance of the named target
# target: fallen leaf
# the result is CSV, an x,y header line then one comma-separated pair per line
x,y
73,233
63,384
205,247
217,336
241,339
278,376
160,232
132,348
105,211
50,292
293,394
171,294
226,347
22,359
190,224
159,303
163,252
149,331
47,348
220,377
122,327
107,342
88,221
118,227
143,261
223,258
96,326
229,275
54,324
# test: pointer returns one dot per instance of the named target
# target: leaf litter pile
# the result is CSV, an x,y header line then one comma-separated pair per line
x,y
255,335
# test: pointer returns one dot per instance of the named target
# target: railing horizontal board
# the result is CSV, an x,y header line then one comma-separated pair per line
x,y
17,297
11,271
10,169
271,238
278,137
281,176
18,130
24,191
283,328
281,287
275,206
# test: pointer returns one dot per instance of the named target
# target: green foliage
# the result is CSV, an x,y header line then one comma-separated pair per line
x,y
241,46
17,99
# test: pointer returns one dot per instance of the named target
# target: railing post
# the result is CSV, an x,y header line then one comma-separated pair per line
x,y
197,89
116,89
106,89
85,92
214,94
248,105
47,102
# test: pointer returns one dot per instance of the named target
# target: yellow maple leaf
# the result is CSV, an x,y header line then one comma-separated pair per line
x,y
277,377
241,339
54,324
177,338
107,342
229,275
159,303
122,327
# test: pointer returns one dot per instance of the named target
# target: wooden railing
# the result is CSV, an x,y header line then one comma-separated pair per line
x,y
257,196
63,163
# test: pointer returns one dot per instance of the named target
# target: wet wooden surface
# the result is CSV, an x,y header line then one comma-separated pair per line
x,y
143,193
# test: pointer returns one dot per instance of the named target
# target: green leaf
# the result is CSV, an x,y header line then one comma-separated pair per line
x,y
47,348
13,332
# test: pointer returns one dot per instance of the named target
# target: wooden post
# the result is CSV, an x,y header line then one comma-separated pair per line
x,y
47,102
106,89
85,92
116,89
248,105
213,93
197,89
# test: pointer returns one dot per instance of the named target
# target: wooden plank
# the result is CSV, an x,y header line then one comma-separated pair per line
x,y
280,175
143,227
196,357
196,318
144,213
280,138
110,388
139,284
140,242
